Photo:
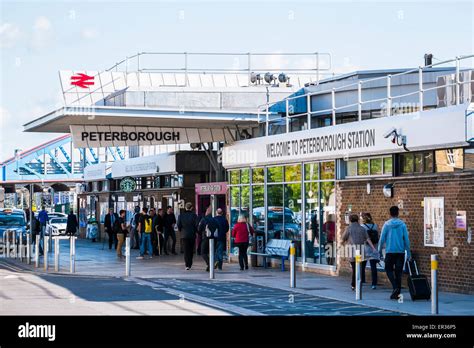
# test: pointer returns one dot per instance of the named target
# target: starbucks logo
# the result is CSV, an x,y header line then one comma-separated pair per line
x,y
128,184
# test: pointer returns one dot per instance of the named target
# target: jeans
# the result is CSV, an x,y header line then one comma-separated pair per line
x,y
41,243
395,260
243,259
362,272
205,250
220,253
188,246
170,233
120,239
373,271
146,239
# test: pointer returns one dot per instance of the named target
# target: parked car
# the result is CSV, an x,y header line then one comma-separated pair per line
x,y
13,219
57,226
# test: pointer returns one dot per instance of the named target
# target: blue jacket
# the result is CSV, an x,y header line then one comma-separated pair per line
x,y
395,237
43,217
223,227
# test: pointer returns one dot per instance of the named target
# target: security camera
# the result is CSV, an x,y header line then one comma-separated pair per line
x,y
391,132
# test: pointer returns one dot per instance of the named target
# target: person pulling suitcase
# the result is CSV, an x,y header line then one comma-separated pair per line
x,y
394,237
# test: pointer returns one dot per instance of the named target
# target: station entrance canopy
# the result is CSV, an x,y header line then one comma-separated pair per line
x,y
101,126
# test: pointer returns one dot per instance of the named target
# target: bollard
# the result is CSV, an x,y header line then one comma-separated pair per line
x,y
56,254
292,266
211,258
28,249
434,284
7,232
45,252
358,276
127,257
37,259
72,254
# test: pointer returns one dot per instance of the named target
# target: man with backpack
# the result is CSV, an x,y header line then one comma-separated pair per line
x,y
395,239
372,255
208,228
145,226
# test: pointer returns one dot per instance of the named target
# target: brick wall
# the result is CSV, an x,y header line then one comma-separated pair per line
x,y
456,273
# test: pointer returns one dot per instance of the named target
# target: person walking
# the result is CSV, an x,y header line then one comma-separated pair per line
x,y
36,231
159,228
223,228
154,235
135,234
169,224
394,237
208,229
145,228
187,227
122,231
71,224
109,222
372,255
43,219
356,236
241,232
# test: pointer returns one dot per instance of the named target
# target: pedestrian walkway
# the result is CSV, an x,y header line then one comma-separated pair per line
x,y
168,272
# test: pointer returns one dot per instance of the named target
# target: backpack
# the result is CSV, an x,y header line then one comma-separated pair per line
x,y
373,234
148,224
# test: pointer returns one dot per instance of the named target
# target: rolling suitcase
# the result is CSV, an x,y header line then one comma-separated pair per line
x,y
418,284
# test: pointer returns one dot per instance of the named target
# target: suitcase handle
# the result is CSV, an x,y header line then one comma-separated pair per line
x,y
409,268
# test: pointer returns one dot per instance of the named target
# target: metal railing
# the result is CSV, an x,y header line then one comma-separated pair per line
x,y
266,116
320,69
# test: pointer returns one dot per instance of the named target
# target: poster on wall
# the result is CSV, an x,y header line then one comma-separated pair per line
x,y
461,221
434,221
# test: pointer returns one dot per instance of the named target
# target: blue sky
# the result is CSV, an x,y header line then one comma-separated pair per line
x,y
39,38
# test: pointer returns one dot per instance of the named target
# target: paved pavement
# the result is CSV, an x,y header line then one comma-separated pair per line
x,y
253,292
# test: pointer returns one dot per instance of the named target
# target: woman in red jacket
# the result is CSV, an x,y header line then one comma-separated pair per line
x,y
241,232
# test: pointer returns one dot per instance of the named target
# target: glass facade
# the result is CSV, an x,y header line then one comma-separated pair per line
x,y
372,166
294,202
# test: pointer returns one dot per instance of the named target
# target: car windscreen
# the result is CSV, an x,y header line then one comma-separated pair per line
x,y
11,220
58,221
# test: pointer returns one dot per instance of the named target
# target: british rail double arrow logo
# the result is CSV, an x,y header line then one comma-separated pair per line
x,y
82,80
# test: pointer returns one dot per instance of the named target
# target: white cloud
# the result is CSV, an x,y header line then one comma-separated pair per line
x,y
42,33
89,33
9,35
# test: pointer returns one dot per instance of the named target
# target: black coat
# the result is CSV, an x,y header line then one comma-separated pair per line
x,y
71,225
187,224
108,222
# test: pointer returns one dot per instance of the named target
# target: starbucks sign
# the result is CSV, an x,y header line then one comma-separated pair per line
x,y
128,184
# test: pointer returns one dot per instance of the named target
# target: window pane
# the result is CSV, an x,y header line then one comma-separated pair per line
x,y
292,216
258,209
234,204
234,177
293,173
406,163
275,174
274,211
418,162
311,171
311,201
351,168
363,167
387,165
428,163
469,159
328,170
375,166
245,176
245,200
451,160
327,234
257,176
